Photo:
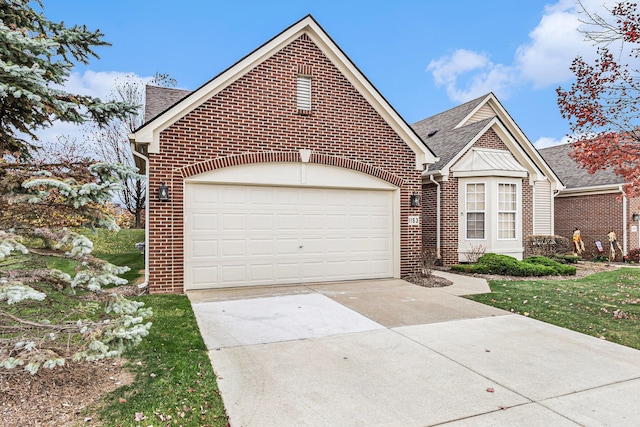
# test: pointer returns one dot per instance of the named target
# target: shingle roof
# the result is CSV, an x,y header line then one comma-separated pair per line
x,y
158,99
446,142
570,173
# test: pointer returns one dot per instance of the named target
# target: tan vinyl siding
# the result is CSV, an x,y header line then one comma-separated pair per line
x,y
542,208
484,112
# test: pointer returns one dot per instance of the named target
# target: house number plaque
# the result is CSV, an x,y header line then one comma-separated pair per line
x,y
413,220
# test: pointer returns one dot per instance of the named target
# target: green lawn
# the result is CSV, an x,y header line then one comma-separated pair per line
x,y
119,249
605,305
174,381
174,378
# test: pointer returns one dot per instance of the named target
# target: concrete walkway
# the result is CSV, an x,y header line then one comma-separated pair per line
x,y
390,353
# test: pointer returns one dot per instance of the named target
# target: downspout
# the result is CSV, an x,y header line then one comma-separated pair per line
x,y
624,223
437,215
143,286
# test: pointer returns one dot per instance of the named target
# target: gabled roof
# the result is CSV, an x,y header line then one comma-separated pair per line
x,y
572,175
149,133
158,99
451,133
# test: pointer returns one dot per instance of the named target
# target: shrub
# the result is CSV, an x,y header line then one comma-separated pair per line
x,y
567,259
548,245
509,266
470,268
499,264
634,255
556,267
526,269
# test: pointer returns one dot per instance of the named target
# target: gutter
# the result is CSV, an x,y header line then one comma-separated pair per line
x,y
438,195
145,285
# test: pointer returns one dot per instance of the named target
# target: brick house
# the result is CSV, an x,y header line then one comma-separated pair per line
x,y
594,203
490,189
287,167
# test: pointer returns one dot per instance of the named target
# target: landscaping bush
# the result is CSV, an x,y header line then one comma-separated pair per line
x,y
567,259
548,245
509,266
634,255
557,267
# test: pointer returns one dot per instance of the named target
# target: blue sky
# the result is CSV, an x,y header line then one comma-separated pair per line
x,y
424,56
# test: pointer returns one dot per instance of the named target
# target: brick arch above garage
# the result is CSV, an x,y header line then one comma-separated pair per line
x,y
286,157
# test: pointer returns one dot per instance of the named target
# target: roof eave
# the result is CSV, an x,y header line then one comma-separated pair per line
x,y
591,190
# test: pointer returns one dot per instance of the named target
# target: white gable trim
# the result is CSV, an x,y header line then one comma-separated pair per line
x,y
510,126
514,147
150,133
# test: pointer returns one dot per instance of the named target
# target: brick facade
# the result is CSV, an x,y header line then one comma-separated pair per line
x,y
595,215
449,208
255,119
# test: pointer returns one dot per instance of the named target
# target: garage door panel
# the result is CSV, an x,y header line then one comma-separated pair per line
x,y
261,272
286,247
205,277
287,271
234,274
233,248
379,266
380,244
261,247
252,235
205,221
204,249
287,221
261,222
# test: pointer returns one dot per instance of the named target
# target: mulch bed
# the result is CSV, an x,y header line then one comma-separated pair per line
x,y
57,397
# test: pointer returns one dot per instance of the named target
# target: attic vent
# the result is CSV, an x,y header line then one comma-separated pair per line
x,y
303,97
433,132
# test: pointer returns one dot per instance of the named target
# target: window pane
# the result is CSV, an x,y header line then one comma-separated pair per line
x,y
507,197
475,197
506,225
475,225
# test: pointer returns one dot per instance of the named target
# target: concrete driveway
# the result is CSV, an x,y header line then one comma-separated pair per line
x,y
390,353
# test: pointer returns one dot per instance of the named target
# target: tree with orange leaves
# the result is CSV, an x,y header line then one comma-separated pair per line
x,y
603,104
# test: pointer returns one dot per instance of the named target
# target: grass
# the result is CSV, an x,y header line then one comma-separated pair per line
x,y
174,378
174,381
605,305
119,249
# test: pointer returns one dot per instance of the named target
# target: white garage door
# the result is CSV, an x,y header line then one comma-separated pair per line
x,y
243,235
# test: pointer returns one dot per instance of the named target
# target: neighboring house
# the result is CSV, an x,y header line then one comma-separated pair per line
x,y
594,203
490,189
288,167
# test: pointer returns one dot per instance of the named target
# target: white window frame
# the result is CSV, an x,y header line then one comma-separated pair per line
x,y
482,211
511,211
303,92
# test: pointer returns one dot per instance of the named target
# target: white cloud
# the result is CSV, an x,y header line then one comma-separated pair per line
x,y
546,59
485,76
546,141
542,62
446,69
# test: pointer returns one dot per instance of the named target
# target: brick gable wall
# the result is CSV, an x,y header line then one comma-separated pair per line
x,y
449,207
255,119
